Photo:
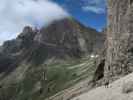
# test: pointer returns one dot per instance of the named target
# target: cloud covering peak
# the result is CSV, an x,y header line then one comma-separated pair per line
x,y
15,14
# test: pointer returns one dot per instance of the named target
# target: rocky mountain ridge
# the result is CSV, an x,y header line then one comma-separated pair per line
x,y
41,62
64,38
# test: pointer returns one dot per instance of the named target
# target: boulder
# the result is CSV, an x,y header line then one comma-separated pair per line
x,y
127,87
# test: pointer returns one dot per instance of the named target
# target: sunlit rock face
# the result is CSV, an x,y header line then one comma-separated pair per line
x,y
119,58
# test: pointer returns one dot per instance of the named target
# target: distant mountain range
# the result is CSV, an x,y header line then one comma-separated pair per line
x,y
62,39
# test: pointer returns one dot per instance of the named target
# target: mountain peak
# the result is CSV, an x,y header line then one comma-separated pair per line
x,y
34,48
62,38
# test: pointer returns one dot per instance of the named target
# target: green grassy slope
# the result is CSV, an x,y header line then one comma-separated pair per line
x,y
59,77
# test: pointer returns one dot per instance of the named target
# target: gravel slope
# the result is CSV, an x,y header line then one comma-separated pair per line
x,y
114,92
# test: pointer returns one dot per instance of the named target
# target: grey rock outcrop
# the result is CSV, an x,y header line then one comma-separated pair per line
x,y
119,39
119,57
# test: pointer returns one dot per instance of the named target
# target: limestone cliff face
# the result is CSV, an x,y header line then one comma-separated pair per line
x,y
119,57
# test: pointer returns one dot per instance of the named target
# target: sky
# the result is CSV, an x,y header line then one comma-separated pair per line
x,y
15,14
91,13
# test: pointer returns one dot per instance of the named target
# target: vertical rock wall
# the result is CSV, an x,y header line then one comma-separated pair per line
x,y
119,58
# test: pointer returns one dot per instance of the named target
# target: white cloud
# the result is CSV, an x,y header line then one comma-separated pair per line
x,y
94,9
96,6
15,14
